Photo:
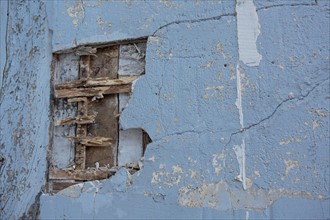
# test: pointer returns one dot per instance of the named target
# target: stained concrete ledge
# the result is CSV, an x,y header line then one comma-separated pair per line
x,y
114,199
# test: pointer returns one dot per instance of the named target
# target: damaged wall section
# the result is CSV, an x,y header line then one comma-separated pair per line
x,y
186,102
93,86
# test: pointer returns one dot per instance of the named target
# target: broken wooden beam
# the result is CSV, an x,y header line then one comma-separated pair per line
x,y
57,186
81,175
93,91
79,99
92,141
90,82
78,120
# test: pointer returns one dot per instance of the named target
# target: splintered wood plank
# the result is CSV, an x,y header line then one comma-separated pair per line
x,y
93,141
80,175
111,82
93,91
89,82
79,99
77,120
106,122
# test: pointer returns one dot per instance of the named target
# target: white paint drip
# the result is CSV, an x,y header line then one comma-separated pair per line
x,y
247,215
240,150
240,155
248,30
239,96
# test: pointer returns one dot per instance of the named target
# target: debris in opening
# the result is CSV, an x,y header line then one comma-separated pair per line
x,y
91,90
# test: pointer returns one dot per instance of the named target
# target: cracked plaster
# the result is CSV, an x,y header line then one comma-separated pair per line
x,y
186,103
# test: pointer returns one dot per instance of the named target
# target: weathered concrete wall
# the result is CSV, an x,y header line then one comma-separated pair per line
x,y
235,99
24,99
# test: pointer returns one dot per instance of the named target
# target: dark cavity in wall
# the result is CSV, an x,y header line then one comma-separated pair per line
x,y
92,85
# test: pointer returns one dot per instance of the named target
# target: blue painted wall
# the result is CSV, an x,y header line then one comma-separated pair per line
x,y
187,102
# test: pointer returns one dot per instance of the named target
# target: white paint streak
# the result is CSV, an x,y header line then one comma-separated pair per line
x,y
240,150
239,97
240,155
247,215
248,30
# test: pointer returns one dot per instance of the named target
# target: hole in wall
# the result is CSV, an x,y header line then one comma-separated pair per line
x,y
92,86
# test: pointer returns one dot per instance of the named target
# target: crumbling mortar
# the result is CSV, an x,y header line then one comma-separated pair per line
x,y
191,21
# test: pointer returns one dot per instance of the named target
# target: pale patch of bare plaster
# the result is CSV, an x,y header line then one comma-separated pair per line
x,y
77,12
221,196
248,30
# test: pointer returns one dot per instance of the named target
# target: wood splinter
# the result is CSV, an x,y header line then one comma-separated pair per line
x,y
79,99
78,120
80,175
102,81
98,91
92,141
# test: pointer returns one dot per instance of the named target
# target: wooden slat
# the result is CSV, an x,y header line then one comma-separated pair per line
x,y
81,175
92,141
79,99
93,91
77,120
90,82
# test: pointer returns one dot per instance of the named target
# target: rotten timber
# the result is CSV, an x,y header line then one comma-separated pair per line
x,y
93,91
90,82
79,175
77,120
92,141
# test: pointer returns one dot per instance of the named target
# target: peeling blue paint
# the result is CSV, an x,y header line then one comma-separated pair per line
x,y
186,103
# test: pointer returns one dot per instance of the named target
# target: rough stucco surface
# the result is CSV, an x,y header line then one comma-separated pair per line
x,y
24,107
187,102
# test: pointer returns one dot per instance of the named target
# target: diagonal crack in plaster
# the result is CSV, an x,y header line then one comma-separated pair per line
x,y
191,21
301,97
288,5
